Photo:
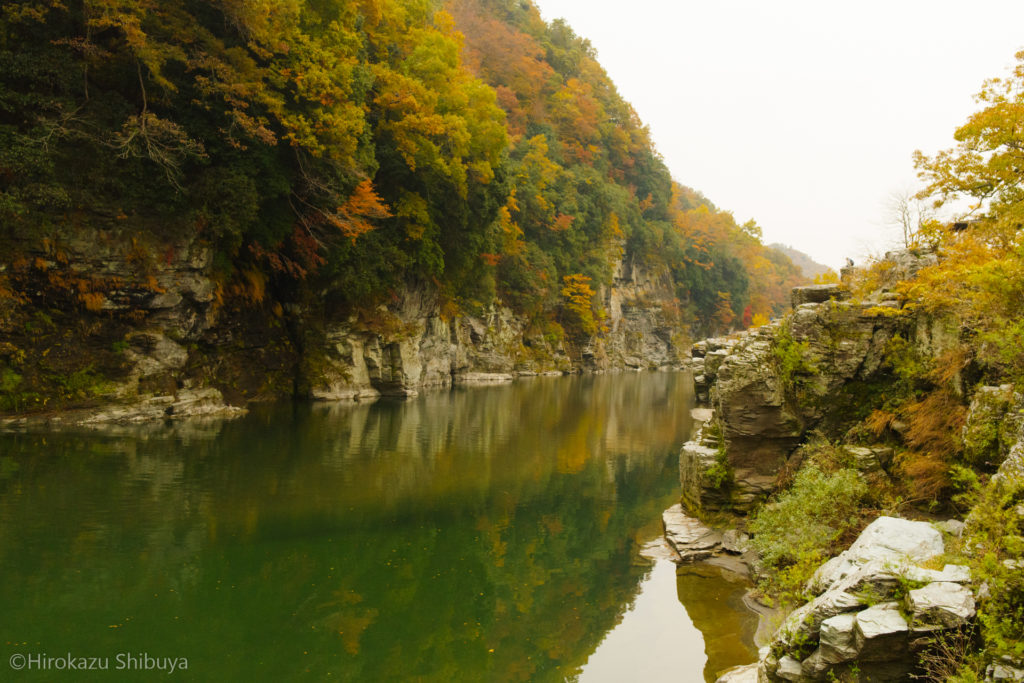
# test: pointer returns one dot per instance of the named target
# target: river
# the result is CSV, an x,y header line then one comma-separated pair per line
x,y
481,534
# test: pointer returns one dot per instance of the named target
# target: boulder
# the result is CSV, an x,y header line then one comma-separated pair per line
x,y
838,639
880,632
941,604
885,539
953,527
1005,669
735,542
877,640
739,674
873,460
789,669
813,294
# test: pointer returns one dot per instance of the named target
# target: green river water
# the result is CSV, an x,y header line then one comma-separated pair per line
x,y
481,534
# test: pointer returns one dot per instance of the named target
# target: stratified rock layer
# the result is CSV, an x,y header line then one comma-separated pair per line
x,y
864,617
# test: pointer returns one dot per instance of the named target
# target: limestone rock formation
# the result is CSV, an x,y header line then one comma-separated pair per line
x,y
874,610
688,536
173,322
771,386
739,674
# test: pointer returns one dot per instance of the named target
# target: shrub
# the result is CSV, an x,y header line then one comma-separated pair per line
x,y
809,518
793,360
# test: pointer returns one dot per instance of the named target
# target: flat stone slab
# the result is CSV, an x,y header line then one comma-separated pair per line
x,y
815,294
688,536
659,549
739,674
701,414
483,378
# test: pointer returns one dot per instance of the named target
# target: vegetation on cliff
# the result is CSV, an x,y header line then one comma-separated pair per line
x,y
945,400
335,152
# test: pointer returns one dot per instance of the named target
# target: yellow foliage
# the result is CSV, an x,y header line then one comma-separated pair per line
x,y
93,301
252,287
878,421
579,297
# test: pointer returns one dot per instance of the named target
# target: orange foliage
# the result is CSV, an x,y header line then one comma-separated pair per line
x,y
507,58
935,424
878,421
562,223
353,218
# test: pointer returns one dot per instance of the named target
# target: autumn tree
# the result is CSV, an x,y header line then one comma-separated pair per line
x,y
981,277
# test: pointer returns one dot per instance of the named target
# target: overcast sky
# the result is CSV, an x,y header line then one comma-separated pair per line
x,y
800,114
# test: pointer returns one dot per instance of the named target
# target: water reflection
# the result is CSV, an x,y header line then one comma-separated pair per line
x,y
714,602
479,534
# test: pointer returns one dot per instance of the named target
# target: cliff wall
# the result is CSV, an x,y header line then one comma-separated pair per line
x,y
116,329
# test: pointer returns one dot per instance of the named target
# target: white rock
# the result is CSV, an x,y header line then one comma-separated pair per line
x,y
941,603
739,674
838,640
789,669
886,538
881,630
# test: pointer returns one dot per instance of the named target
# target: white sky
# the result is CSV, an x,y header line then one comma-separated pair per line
x,y
800,114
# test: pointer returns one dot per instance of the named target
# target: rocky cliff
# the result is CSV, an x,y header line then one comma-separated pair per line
x,y
131,331
772,386
893,395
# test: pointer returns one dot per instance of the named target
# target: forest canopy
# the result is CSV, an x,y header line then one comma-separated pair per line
x,y
359,145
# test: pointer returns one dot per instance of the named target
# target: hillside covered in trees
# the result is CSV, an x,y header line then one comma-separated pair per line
x,y
335,152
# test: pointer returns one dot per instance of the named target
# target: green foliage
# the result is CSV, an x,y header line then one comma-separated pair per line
x,y
995,541
907,362
9,382
720,474
360,146
793,361
803,524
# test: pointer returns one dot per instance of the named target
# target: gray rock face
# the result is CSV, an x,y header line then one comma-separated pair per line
x,y
739,674
839,627
185,403
187,325
688,536
816,294
994,424
941,604
764,415
643,332
428,351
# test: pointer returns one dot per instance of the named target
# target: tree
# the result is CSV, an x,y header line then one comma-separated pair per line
x,y
981,278
986,167
907,213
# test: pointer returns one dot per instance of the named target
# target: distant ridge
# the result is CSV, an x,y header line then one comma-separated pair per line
x,y
808,266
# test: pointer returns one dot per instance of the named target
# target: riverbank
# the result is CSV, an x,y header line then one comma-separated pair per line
x,y
826,431
169,339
